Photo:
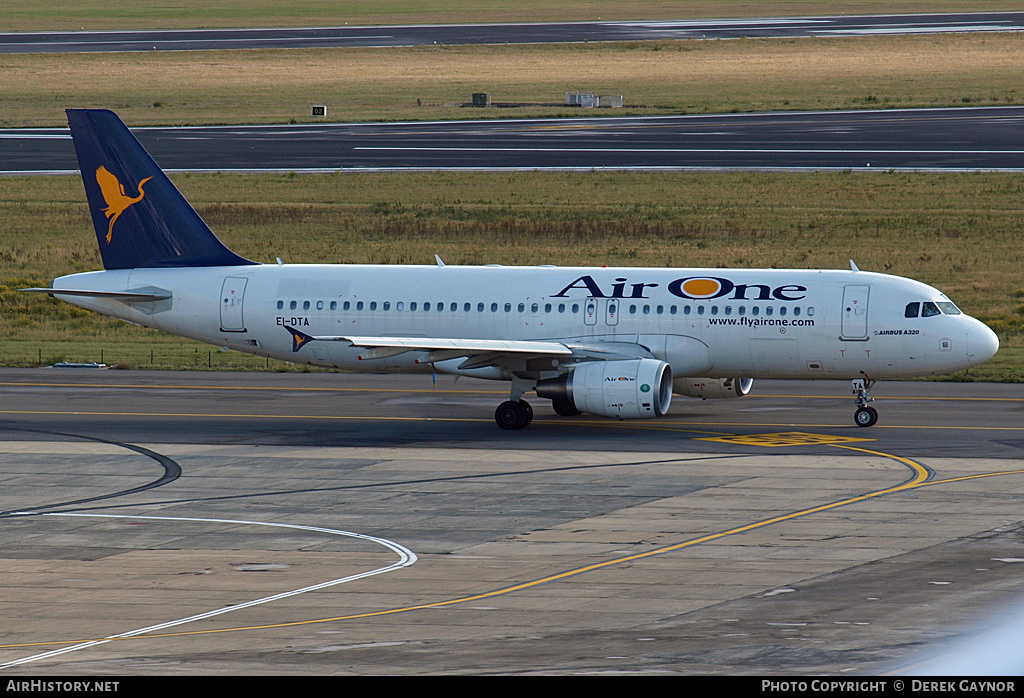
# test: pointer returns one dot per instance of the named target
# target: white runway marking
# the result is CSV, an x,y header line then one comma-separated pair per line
x,y
38,136
405,558
919,30
830,151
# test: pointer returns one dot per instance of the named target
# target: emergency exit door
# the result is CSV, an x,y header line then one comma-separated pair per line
x,y
601,311
855,312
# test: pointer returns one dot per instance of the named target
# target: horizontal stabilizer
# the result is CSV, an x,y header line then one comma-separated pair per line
x,y
126,296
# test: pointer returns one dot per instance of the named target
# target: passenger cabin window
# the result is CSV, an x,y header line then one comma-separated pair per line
x,y
913,310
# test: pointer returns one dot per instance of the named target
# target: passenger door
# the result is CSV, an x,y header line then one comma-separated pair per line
x,y
231,295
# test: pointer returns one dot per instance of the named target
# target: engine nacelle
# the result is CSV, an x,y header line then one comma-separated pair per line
x,y
713,388
626,389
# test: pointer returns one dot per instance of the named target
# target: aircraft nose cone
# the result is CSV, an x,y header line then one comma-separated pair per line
x,y
983,342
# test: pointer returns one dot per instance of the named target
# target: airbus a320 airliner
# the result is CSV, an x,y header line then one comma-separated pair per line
x,y
615,342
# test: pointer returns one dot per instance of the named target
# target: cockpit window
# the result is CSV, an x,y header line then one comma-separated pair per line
x,y
948,308
913,310
929,309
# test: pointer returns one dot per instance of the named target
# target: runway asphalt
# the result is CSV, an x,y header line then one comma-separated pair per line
x,y
511,33
904,139
311,523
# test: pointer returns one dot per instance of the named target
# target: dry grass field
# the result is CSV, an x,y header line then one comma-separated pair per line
x,y
433,82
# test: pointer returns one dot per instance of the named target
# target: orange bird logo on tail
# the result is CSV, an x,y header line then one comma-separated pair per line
x,y
113,194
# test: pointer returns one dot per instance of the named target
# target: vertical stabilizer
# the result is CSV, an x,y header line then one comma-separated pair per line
x,y
141,219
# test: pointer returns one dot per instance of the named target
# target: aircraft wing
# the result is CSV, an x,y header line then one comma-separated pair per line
x,y
491,351
478,353
469,346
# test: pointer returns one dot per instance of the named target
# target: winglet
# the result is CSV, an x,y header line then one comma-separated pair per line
x,y
299,338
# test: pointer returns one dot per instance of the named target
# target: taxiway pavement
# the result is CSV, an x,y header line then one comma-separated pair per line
x,y
311,523
953,139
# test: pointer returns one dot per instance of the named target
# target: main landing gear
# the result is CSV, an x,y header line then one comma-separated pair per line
x,y
513,414
865,416
564,408
516,413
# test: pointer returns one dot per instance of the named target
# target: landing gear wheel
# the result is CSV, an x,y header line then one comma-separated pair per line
x,y
529,411
513,414
865,416
564,408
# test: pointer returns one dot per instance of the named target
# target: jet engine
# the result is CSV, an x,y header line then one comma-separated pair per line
x,y
626,389
712,388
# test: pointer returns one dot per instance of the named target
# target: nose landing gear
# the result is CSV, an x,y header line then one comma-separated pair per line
x,y
865,416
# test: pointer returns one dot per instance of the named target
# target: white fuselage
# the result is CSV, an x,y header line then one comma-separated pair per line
x,y
752,323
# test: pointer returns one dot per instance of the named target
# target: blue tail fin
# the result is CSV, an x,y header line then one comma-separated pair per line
x,y
141,219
